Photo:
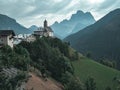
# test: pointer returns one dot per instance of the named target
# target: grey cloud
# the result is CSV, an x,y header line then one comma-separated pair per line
x,y
105,7
47,7
107,4
15,8
28,11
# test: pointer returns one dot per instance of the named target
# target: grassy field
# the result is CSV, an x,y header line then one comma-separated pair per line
x,y
103,75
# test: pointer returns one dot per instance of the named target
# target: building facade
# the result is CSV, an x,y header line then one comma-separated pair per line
x,y
45,31
6,37
30,38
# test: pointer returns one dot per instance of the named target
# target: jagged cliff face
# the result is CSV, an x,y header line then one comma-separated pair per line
x,y
101,39
77,22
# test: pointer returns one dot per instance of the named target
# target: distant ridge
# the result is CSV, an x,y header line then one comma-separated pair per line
x,y
7,23
33,28
101,39
78,21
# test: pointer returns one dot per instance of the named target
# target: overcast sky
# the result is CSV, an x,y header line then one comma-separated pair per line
x,y
34,12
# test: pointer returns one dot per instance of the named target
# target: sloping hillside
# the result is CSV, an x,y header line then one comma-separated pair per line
x,y
37,83
104,76
10,23
101,39
52,58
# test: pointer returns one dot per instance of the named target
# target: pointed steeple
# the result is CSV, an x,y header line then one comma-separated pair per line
x,y
45,23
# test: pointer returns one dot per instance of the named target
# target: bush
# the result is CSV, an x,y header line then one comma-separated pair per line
x,y
47,53
90,84
108,63
74,84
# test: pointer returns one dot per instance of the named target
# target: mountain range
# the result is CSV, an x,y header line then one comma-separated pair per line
x,y
101,40
33,28
78,21
10,23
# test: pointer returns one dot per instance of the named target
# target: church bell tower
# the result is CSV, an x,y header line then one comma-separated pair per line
x,y
45,24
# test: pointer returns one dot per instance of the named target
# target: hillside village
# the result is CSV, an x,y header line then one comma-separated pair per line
x,y
8,37
41,61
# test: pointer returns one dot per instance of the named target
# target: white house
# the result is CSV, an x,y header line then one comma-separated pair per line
x,y
30,38
6,37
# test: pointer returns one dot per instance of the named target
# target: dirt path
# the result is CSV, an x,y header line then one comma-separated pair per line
x,y
36,83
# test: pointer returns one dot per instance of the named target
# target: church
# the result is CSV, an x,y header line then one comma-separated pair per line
x,y
44,31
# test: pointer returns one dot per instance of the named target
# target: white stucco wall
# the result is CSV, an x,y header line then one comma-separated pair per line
x,y
10,41
51,34
5,40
